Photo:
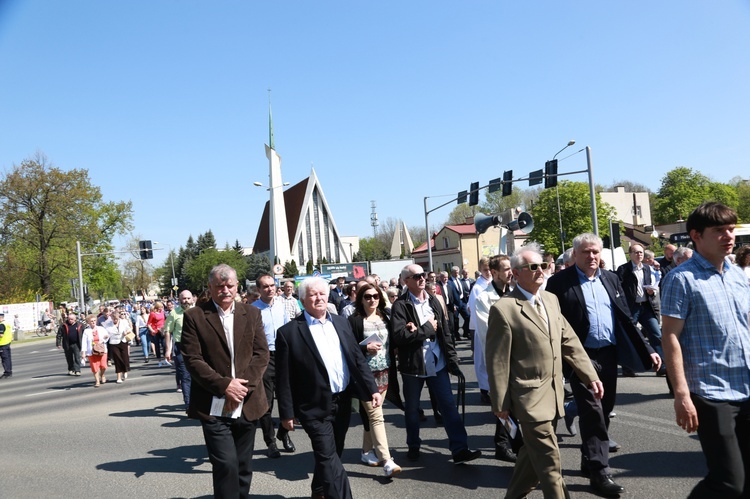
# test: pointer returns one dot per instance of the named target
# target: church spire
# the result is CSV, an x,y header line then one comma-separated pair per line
x,y
270,122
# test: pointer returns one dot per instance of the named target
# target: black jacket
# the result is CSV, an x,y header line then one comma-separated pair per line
x,y
302,383
633,349
630,286
409,344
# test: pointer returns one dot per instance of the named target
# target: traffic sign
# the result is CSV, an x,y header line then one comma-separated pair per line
x,y
278,269
175,288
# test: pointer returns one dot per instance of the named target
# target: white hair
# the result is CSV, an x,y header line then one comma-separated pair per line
x,y
312,283
567,256
587,238
516,260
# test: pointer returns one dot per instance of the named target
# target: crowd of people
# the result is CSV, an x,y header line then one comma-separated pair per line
x,y
549,339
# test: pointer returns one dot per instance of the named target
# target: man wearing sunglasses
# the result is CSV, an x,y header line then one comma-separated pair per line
x,y
426,355
527,340
594,303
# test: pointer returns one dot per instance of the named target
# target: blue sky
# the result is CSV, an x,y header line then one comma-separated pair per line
x,y
166,102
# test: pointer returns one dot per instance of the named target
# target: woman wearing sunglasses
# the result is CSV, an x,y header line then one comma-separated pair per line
x,y
370,320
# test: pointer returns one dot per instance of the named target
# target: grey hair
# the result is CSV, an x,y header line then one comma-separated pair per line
x,y
405,272
312,283
587,238
648,254
221,273
455,268
516,260
683,252
567,256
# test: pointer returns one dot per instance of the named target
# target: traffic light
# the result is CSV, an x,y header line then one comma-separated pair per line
x,y
474,194
495,185
461,199
507,183
145,250
550,174
615,235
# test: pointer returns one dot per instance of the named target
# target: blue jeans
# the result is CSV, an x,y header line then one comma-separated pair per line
x,y
440,385
643,315
181,374
145,341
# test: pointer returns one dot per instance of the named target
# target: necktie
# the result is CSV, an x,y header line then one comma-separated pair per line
x,y
540,311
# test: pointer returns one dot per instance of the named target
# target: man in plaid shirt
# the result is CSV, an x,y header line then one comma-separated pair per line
x,y
705,307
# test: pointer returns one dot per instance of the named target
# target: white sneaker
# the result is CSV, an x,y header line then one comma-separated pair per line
x,y
161,363
167,363
369,458
391,468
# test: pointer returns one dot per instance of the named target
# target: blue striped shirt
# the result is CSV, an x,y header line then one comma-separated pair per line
x,y
715,339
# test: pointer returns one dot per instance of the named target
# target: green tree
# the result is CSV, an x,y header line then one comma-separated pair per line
x,y
257,264
197,269
575,210
206,241
237,246
44,210
743,200
460,213
683,189
371,248
290,269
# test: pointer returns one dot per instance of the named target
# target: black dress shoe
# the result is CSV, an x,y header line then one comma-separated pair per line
x,y
287,442
438,418
484,397
604,485
628,373
466,455
273,451
413,454
505,454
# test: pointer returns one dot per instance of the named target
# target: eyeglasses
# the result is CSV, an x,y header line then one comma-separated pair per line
x,y
371,297
535,266
417,277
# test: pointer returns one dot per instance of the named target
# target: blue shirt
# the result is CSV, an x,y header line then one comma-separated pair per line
x,y
715,340
599,309
274,316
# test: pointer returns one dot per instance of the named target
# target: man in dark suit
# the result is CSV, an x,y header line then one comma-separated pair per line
x,y
427,355
225,351
319,367
442,283
527,340
458,300
593,302
643,301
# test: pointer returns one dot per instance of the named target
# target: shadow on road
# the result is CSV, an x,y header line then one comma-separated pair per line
x,y
185,459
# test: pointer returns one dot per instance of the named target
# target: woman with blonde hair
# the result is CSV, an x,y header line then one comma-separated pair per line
x,y
94,347
155,325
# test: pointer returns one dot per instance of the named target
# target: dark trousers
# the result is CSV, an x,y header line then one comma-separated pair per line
x,y
269,384
593,413
158,340
5,357
460,311
181,374
230,444
724,432
73,357
327,437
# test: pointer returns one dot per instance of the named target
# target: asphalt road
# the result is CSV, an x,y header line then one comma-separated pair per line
x,y
60,437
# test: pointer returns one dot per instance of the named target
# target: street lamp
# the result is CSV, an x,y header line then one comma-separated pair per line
x,y
557,194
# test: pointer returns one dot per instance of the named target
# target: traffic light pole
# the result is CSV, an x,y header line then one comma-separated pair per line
x,y
81,299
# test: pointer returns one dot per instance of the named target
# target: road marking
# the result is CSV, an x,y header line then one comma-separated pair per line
x,y
660,421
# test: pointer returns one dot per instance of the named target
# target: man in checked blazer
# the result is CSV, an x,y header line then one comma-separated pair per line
x,y
527,340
